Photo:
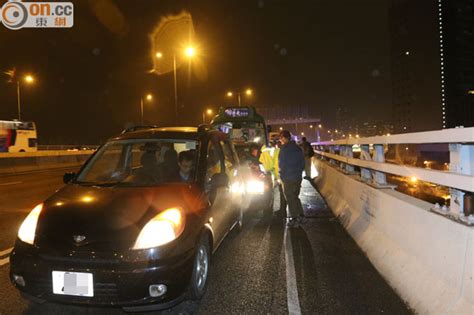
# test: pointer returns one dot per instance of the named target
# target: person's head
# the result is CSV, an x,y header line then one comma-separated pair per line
x,y
254,148
148,159
285,136
185,162
303,139
170,157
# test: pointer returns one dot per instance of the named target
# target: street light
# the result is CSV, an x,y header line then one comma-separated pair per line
x,y
189,52
247,92
208,112
29,79
148,97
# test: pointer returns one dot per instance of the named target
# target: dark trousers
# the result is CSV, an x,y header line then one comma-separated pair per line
x,y
292,192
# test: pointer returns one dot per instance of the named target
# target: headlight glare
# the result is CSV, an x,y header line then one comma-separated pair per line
x,y
162,229
255,187
27,230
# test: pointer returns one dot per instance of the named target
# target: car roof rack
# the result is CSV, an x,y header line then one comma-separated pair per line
x,y
138,127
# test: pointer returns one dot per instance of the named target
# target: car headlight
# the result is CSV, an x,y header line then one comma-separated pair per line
x,y
27,230
255,187
163,228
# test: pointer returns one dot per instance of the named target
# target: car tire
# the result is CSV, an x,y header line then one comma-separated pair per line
x,y
201,266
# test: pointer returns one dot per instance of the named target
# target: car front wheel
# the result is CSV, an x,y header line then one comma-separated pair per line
x,y
201,267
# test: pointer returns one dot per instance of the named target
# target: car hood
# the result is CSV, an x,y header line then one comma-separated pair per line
x,y
107,216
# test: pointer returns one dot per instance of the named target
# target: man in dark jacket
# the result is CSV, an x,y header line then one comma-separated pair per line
x,y
291,163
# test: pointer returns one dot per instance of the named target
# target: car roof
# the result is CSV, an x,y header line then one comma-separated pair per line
x,y
159,132
192,133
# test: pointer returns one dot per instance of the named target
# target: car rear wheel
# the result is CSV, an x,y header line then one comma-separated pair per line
x,y
201,267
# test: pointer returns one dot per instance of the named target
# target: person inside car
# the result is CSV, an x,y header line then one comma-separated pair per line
x,y
149,172
169,167
186,166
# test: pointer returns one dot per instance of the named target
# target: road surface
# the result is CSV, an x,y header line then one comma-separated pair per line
x,y
264,269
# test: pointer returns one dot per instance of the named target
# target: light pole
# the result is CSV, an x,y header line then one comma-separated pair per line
x,y
247,92
189,52
149,97
28,79
208,112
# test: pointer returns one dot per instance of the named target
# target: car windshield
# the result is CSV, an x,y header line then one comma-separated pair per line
x,y
141,162
244,132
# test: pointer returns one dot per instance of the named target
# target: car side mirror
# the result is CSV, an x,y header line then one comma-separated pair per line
x,y
219,180
68,177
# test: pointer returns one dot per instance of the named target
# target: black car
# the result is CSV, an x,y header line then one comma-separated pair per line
x,y
136,226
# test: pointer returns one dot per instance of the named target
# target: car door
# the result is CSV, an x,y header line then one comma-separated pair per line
x,y
236,185
217,191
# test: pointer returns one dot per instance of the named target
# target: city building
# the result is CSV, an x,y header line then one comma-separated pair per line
x,y
432,64
456,39
415,65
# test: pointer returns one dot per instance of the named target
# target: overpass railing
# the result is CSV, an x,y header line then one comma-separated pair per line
x,y
372,167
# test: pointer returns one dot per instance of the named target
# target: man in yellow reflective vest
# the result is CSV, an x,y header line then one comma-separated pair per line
x,y
269,160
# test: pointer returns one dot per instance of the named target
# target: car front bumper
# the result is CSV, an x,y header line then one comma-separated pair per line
x,y
116,282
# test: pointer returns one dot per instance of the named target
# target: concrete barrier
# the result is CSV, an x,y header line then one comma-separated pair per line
x,y
24,162
425,257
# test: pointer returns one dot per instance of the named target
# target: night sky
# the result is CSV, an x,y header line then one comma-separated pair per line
x,y
325,54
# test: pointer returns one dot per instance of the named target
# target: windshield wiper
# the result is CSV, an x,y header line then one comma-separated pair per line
x,y
113,184
104,184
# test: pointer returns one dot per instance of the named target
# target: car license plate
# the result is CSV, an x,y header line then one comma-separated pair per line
x,y
73,283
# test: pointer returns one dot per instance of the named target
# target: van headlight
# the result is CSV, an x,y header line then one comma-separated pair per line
x,y
255,186
162,229
27,230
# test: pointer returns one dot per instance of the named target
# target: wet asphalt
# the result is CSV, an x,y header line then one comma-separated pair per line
x,y
248,271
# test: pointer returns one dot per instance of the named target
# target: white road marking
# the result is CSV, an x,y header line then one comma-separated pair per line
x,y
6,251
12,183
291,286
4,261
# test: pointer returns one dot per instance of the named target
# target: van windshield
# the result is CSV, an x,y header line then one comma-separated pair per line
x,y
243,131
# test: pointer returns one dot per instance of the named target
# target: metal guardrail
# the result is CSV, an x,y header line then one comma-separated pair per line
x,y
374,168
77,147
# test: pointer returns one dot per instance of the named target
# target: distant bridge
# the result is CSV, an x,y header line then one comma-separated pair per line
x,y
288,115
